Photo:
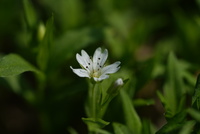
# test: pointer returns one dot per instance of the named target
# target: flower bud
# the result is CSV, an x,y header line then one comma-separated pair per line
x,y
114,88
41,31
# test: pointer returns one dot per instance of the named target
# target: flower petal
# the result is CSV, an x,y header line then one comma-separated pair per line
x,y
111,68
102,77
96,58
80,72
80,60
103,57
87,60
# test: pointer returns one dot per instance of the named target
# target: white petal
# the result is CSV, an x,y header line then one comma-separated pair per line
x,y
103,57
111,68
80,60
96,58
97,54
80,72
102,77
87,60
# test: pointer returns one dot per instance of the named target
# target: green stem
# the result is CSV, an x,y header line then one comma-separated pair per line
x,y
94,100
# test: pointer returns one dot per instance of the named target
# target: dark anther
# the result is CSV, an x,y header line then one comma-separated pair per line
x,y
97,63
86,66
99,58
88,63
100,66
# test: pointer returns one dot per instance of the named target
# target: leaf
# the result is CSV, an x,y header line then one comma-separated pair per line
x,y
13,64
188,127
174,124
131,117
174,87
143,102
46,44
30,13
196,96
168,112
94,124
72,130
121,129
147,127
194,114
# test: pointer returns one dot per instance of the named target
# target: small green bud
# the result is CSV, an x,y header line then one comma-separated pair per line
x,y
41,31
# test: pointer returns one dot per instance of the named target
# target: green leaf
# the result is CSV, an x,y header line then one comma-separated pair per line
x,y
13,64
121,129
131,117
46,44
147,127
109,94
196,96
174,87
168,112
143,102
30,13
95,124
174,124
194,114
188,127
72,130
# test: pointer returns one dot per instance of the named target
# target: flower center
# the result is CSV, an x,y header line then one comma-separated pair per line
x,y
96,74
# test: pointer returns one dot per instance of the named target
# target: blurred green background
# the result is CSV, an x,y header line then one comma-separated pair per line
x,y
140,34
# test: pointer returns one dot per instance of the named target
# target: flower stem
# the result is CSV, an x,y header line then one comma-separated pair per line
x,y
95,96
94,102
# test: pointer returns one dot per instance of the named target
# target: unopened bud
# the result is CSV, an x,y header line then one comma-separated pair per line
x,y
41,31
114,88
119,82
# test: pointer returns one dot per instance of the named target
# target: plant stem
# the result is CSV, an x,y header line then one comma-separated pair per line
x,y
95,96
94,101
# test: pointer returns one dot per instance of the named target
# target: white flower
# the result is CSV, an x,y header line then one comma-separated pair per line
x,y
94,67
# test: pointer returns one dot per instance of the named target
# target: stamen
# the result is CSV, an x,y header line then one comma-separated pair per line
x,y
100,66
88,63
86,66
97,63
99,58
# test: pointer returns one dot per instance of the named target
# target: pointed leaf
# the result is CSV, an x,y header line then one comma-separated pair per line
x,y
188,127
196,96
46,44
173,124
131,117
94,124
13,64
30,13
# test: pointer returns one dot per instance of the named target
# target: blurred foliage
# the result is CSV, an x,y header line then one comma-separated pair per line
x,y
157,43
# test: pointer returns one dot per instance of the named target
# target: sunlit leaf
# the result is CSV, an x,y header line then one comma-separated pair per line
x,y
13,64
